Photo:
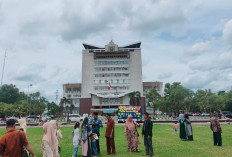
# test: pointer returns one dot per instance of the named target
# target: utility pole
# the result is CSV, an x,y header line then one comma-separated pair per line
x,y
56,97
3,68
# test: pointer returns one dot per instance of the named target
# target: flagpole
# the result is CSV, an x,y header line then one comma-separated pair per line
x,y
3,68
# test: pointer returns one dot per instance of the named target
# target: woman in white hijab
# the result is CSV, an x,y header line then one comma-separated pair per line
x,y
57,133
23,125
49,147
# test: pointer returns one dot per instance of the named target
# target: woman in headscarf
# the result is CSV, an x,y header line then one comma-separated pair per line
x,y
131,134
188,128
23,125
86,141
49,147
57,133
182,129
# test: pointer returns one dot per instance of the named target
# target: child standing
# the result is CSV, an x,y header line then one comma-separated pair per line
x,y
176,128
94,143
76,139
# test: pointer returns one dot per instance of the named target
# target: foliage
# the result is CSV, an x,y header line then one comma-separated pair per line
x,y
53,109
135,98
15,103
178,98
9,94
154,99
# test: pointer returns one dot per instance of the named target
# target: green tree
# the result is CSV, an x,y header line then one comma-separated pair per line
x,y
53,109
37,103
202,99
228,101
154,99
135,98
65,102
9,94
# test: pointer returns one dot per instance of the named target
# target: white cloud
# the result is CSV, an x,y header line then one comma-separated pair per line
x,y
227,33
181,41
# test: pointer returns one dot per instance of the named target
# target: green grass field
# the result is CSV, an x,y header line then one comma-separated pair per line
x,y
165,143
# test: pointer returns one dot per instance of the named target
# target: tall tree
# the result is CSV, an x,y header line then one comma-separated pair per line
x,y
154,99
9,94
135,98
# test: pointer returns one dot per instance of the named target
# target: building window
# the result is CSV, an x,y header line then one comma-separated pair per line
x,y
96,88
69,90
126,62
76,89
96,81
126,81
120,81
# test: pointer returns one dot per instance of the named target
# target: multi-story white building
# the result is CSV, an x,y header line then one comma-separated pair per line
x,y
109,74
72,92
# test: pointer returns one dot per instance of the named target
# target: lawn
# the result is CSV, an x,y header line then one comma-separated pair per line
x,y
165,143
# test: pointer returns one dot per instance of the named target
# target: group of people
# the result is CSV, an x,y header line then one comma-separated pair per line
x,y
186,131
14,141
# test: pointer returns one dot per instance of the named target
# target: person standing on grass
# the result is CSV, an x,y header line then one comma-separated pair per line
x,y
85,137
131,134
49,145
94,138
57,134
23,125
182,129
176,127
188,127
217,131
96,124
10,143
110,136
147,134
76,139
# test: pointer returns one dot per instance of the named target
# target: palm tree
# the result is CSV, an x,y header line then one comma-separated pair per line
x,y
135,98
66,101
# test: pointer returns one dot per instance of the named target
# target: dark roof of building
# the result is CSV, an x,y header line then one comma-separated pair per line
x,y
135,45
88,46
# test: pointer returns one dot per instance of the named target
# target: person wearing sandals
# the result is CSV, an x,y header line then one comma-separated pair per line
x,y
131,134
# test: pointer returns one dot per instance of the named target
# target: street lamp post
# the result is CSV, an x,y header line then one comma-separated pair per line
x,y
28,91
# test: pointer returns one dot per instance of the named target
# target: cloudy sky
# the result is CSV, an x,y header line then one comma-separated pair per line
x,y
185,41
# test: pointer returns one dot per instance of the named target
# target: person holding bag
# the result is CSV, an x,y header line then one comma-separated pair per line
x,y
131,134
13,142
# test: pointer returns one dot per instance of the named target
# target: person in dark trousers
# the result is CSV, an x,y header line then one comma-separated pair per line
x,y
110,136
96,124
147,134
217,131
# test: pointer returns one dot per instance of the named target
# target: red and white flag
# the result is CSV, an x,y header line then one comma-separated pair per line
x,y
110,86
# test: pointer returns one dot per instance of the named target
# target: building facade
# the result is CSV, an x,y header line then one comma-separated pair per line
x,y
72,92
109,74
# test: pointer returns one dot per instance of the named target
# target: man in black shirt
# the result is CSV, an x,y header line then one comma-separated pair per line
x,y
147,134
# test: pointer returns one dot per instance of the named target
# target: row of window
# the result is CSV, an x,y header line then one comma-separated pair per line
x,y
110,100
112,69
112,75
111,62
111,81
113,88
75,89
